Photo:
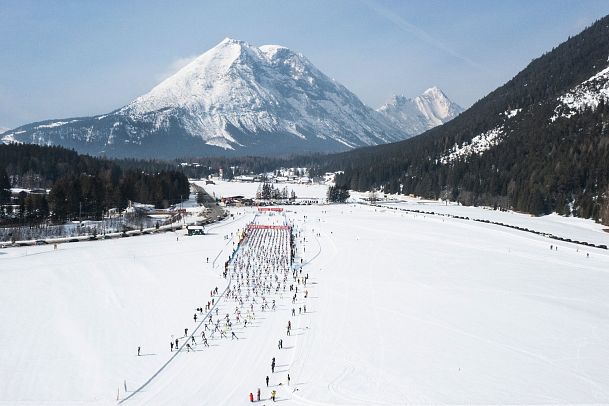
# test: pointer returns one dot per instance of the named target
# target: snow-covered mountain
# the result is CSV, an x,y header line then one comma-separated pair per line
x,y
233,99
415,116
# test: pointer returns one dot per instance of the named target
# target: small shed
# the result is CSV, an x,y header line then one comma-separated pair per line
x,y
195,230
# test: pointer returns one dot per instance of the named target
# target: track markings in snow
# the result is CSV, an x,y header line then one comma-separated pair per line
x,y
262,280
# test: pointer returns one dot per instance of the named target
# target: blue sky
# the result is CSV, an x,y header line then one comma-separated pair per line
x,y
82,57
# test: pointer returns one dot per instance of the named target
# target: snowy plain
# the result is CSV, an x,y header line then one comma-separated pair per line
x,y
248,189
567,227
404,308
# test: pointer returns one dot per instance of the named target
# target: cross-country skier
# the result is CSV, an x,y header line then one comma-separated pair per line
x,y
288,379
267,381
138,351
171,346
273,394
233,335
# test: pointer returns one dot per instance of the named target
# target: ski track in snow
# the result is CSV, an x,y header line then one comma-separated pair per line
x,y
193,333
402,308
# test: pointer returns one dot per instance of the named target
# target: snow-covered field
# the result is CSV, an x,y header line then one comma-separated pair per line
x,y
402,308
249,189
566,227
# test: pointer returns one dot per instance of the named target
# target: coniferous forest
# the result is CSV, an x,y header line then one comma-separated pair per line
x,y
80,186
540,166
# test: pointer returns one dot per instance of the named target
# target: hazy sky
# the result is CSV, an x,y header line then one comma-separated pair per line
x,y
73,58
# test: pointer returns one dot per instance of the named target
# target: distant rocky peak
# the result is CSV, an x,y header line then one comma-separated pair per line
x,y
421,113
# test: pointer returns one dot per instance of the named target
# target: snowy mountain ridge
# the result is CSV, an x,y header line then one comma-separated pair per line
x,y
417,115
234,98
266,89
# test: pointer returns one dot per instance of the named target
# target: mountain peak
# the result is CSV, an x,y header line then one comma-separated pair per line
x,y
422,113
228,40
234,98
435,91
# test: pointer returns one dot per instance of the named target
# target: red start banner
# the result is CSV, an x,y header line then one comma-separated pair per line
x,y
264,227
270,209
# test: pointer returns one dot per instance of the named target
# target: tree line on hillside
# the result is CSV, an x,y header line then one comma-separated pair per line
x,y
80,186
538,169
540,166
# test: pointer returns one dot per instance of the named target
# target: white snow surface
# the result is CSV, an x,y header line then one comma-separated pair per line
x,y
512,113
477,146
566,227
586,95
249,189
422,113
56,124
9,139
402,309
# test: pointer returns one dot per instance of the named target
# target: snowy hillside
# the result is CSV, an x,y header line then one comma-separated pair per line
x,y
234,98
477,146
414,116
587,95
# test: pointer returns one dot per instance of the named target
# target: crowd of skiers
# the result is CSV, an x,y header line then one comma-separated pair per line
x,y
260,273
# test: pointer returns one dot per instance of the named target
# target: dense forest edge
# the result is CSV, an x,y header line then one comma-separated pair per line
x,y
542,164
72,186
